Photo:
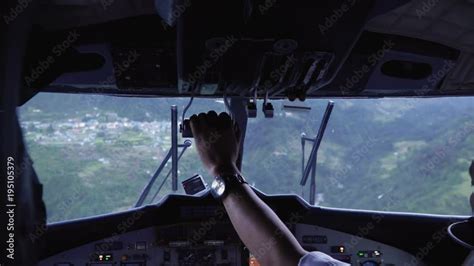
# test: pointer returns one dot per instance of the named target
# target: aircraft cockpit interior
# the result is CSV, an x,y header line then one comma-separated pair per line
x,y
352,132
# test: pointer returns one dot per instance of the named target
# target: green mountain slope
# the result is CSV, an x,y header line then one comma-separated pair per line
x,y
94,154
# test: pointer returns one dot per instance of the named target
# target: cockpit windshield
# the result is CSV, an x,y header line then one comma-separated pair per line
x,y
94,154
403,154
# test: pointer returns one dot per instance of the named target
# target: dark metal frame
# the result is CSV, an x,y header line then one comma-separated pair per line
x,y
239,114
173,154
313,157
238,110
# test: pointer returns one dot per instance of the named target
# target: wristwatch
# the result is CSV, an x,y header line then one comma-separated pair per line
x,y
222,184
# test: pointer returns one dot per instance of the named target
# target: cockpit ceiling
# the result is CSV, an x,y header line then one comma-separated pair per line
x,y
448,22
79,13
379,48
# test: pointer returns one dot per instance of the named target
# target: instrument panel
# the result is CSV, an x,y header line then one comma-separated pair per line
x,y
181,244
216,244
353,249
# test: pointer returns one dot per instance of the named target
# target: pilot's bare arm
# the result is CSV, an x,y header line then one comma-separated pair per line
x,y
261,230
217,141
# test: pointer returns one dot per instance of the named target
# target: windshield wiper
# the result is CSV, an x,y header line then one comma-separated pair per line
x,y
172,153
313,157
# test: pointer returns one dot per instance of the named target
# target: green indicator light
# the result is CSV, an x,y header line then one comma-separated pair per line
x,y
360,254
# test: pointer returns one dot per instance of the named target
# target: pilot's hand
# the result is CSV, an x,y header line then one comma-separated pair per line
x,y
217,141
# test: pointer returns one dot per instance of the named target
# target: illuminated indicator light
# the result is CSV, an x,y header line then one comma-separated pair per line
x,y
338,249
377,253
101,257
253,261
361,254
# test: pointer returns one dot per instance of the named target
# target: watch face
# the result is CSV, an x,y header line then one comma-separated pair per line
x,y
218,186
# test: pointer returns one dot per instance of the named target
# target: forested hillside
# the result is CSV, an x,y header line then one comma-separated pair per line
x,y
94,154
